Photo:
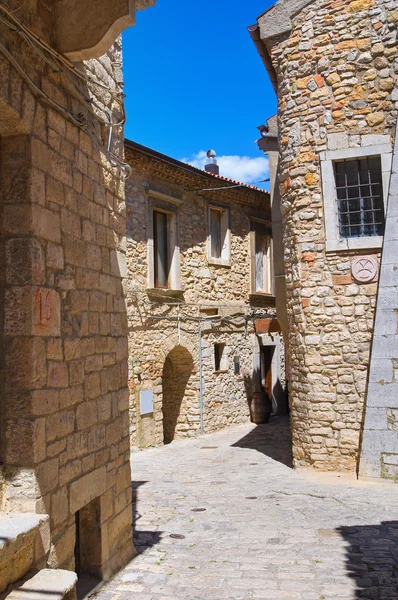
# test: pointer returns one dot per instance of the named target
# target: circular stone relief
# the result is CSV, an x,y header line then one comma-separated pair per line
x,y
364,268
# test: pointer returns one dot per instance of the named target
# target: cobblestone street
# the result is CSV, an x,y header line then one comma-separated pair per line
x,y
224,516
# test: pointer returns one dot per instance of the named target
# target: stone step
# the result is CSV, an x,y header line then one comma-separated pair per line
x,y
24,542
47,584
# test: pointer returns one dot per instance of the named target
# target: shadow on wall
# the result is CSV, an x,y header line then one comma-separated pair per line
x,y
177,371
372,560
143,540
272,439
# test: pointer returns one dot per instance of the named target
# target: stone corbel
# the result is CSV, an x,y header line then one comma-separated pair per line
x,y
86,29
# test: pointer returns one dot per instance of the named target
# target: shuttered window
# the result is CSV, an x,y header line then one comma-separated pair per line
x,y
263,266
215,233
161,259
219,235
262,276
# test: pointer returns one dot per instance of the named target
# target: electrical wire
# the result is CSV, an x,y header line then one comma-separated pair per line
x,y
32,40
20,27
37,91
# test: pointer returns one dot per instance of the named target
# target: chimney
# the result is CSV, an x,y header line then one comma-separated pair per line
x,y
211,165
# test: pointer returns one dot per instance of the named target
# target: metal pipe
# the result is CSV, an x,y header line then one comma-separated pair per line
x,y
200,380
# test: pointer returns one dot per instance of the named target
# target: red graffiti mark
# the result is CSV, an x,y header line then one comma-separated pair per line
x,y
43,303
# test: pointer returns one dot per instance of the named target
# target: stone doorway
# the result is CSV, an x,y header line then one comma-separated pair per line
x,y
88,547
177,371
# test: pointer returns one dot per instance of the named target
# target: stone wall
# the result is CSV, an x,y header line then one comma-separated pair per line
x,y
335,68
379,449
64,397
164,324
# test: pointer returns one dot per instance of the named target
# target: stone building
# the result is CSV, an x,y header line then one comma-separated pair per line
x,y
65,481
202,332
334,65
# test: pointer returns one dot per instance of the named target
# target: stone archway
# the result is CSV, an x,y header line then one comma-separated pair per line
x,y
177,371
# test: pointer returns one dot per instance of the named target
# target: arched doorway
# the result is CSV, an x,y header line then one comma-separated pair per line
x,y
177,371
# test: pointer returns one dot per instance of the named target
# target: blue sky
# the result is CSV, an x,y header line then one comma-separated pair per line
x,y
194,81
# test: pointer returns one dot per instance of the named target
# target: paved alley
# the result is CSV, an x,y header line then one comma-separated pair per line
x,y
224,516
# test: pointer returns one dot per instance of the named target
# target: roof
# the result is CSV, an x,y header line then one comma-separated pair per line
x,y
177,163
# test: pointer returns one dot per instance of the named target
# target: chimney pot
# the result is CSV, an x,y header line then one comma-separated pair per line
x,y
211,164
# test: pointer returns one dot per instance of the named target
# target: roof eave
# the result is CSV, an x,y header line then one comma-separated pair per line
x,y
254,31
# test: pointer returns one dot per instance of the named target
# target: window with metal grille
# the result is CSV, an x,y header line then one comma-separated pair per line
x,y
359,187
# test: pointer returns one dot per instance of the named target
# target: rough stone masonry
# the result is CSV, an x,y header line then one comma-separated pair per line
x,y
64,428
334,64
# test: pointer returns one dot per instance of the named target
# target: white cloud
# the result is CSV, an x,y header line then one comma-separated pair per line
x,y
245,169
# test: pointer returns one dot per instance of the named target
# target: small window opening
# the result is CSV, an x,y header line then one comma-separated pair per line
x,y
209,312
220,358
359,187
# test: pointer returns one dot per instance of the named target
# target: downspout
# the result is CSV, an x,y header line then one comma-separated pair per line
x,y
200,379
254,31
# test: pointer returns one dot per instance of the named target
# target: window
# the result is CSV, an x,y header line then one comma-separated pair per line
x,y
220,358
219,235
262,278
263,264
163,250
161,254
359,188
355,181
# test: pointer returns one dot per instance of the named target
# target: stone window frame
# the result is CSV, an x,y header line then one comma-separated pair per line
x,y
225,259
169,205
334,243
262,227
223,358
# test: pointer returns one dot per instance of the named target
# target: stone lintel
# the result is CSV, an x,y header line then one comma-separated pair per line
x,y
278,19
87,488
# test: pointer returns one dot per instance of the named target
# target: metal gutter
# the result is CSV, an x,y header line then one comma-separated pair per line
x,y
254,31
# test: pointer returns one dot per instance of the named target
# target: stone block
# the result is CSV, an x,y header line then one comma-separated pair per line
x,y
376,418
46,313
337,141
55,256
385,346
75,251
381,370
45,402
85,489
383,395
60,425
59,506
46,224
24,262
47,474
86,414
57,374
26,363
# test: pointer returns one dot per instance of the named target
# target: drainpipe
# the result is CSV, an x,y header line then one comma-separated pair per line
x,y
200,379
